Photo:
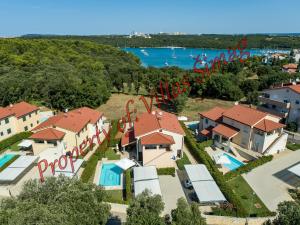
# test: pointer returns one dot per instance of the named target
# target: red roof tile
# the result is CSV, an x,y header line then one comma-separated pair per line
x,y
5,113
148,122
245,115
18,109
207,132
225,130
48,134
74,120
290,66
213,114
268,125
295,88
157,138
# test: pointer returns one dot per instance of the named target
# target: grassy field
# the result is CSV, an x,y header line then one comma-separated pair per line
x,y
15,146
249,199
115,107
111,155
115,196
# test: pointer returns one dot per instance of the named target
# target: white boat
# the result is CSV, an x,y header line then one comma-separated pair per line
x,y
166,63
173,55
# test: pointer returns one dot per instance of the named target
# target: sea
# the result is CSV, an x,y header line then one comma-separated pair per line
x,y
185,57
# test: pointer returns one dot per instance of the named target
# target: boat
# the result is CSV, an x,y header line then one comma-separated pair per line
x,y
166,63
173,55
144,52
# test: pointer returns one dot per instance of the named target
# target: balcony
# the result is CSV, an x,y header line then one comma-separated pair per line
x,y
280,104
273,111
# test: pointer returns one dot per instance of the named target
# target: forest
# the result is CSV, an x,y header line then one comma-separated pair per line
x,y
217,41
66,73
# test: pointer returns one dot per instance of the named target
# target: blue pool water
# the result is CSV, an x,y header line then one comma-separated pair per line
x,y
110,175
193,126
5,158
181,57
234,163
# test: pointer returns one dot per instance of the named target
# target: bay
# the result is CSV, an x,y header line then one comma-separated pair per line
x,y
185,57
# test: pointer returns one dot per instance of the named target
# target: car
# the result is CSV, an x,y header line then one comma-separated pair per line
x,y
188,184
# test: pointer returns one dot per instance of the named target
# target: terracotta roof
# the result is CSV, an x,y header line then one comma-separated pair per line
x,y
5,113
295,88
128,138
157,138
290,66
268,125
18,109
213,114
48,134
74,120
245,115
226,130
207,132
148,122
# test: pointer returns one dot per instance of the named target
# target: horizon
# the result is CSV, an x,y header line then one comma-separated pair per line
x,y
65,17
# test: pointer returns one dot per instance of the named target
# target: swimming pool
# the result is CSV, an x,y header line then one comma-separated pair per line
x,y
193,125
110,175
234,163
5,158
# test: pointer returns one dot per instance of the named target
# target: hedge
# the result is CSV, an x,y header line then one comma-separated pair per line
x,y
11,140
166,171
248,167
183,161
9,162
113,133
128,185
197,150
293,147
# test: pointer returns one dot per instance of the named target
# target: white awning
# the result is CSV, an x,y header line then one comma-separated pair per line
x,y
221,159
295,170
68,170
197,172
145,173
125,163
151,185
182,118
25,143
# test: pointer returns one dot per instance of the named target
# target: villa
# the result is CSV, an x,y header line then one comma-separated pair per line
x,y
282,101
17,118
67,130
290,68
243,127
157,138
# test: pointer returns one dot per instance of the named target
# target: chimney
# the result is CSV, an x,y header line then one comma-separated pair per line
x,y
11,105
66,110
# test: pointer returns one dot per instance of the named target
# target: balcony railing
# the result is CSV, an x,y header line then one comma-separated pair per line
x,y
284,105
273,111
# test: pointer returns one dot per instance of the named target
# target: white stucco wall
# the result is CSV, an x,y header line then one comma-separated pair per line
x,y
10,125
279,145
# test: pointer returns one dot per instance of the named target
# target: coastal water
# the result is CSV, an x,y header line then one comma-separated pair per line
x,y
183,57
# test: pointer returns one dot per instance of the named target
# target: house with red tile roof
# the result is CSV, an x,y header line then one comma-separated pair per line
x,y
246,127
290,68
156,138
282,101
67,130
17,118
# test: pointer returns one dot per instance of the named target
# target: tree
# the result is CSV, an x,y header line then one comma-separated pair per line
x,y
57,201
180,102
186,214
289,214
145,209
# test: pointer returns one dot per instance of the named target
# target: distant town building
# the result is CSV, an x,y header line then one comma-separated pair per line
x,y
290,68
138,34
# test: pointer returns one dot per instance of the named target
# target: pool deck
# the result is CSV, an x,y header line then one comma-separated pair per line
x,y
98,172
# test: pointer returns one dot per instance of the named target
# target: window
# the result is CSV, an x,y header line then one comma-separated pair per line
x,y
297,102
35,112
285,101
153,147
287,90
39,141
30,115
25,128
274,106
31,125
24,118
206,120
1,134
37,122
6,120
53,142
8,131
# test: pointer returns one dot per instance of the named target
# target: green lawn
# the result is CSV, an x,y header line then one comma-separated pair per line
x,y
293,147
249,199
111,155
115,196
15,146
183,161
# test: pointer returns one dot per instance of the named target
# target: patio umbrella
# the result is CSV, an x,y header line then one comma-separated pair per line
x,y
223,160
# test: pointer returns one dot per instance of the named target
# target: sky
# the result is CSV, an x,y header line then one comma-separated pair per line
x,y
96,17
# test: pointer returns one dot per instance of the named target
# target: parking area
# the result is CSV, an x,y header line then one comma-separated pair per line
x,y
272,180
171,191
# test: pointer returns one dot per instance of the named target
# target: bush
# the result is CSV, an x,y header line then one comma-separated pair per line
x,y
292,126
89,169
248,167
128,185
11,140
183,161
113,133
166,171
293,147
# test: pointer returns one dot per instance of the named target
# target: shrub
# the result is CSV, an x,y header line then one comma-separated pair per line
x,y
128,185
166,171
292,126
293,147
113,133
11,140
183,161
248,167
89,169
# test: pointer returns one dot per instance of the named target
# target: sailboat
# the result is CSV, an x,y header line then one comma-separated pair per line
x,y
173,55
191,55
166,63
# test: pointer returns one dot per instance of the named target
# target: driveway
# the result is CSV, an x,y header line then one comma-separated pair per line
x,y
171,191
271,181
